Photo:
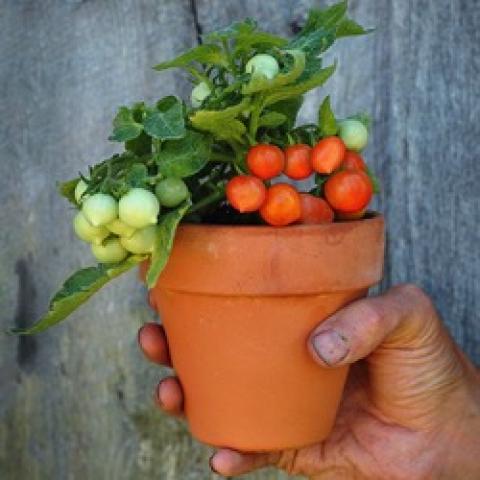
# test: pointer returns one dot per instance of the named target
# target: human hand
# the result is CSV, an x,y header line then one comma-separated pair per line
x,y
411,408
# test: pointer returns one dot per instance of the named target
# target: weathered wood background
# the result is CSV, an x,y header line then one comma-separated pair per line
x,y
75,403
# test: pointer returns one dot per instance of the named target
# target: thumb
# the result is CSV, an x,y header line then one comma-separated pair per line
x,y
401,317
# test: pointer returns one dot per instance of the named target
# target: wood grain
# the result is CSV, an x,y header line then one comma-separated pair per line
x,y
75,402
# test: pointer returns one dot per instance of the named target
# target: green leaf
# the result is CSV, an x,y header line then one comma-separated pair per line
x,y
166,120
76,290
67,190
223,124
164,242
142,145
349,28
185,157
326,18
206,53
272,120
259,82
289,108
314,43
124,126
300,88
326,119
137,175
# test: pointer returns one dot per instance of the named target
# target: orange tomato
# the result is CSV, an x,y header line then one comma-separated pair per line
x,y
265,161
351,215
282,205
297,161
245,193
315,210
354,161
328,155
348,190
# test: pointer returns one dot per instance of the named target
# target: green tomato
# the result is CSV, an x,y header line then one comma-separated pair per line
x,y
110,251
120,228
100,209
142,241
139,208
263,64
171,192
87,232
79,191
199,93
354,134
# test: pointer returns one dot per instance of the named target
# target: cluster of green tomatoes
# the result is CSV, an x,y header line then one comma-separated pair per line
x,y
116,228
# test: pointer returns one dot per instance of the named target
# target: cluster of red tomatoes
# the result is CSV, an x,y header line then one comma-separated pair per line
x,y
346,192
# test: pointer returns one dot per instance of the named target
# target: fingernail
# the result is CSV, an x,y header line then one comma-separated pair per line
x,y
158,400
330,346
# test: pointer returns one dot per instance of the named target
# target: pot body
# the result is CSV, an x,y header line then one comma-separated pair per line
x,y
238,304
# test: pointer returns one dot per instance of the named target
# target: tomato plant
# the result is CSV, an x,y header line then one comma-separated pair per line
x,y
171,192
328,155
110,251
246,193
265,161
100,209
348,190
282,205
263,64
138,208
298,164
354,161
354,134
315,210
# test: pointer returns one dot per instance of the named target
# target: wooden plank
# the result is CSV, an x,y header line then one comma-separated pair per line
x,y
75,402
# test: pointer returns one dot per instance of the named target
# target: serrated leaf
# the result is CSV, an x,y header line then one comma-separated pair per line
x,y
185,157
67,190
349,27
166,120
289,108
230,31
137,175
206,53
124,126
222,124
272,120
76,290
259,82
314,43
142,145
326,119
300,88
164,242
325,18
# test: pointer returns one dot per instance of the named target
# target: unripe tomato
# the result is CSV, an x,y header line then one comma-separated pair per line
x,y
351,216
263,64
87,232
282,205
315,210
80,190
199,93
119,228
110,251
353,161
100,209
348,190
142,241
354,134
265,161
328,155
171,192
139,208
298,164
245,193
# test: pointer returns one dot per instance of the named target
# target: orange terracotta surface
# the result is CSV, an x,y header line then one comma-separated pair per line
x,y
238,304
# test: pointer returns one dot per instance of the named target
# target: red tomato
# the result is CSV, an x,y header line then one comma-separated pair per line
x,y
297,161
354,161
348,190
245,193
265,161
351,216
315,210
328,155
282,205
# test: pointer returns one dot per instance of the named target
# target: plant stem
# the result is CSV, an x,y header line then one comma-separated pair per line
x,y
220,157
208,200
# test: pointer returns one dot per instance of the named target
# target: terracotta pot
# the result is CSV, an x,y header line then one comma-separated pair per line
x,y
238,304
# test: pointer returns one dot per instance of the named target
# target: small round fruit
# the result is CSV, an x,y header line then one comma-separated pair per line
x,y
199,93
100,209
245,193
142,241
298,164
328,155
263,64
265,161
348,190
354,161
171,192
120,228
282,205
87,232
354,134
110,251
351,216
79,191
139,208
315,210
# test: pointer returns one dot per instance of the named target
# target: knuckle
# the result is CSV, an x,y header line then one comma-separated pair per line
x,y
373,317
417,296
